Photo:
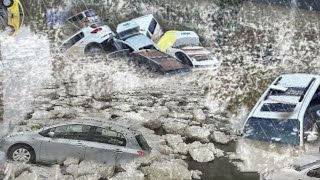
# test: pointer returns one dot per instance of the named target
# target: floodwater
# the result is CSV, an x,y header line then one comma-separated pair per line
x,y
262,46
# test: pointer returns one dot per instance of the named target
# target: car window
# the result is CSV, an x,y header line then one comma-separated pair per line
x,y
72,41
183,58
153,26
107,136
314,173
79,132
125,46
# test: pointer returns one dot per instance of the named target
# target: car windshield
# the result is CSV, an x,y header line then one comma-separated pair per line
x,y
129,33
90,13
148,47
273,130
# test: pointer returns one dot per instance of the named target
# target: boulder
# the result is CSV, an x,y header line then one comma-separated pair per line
x,y
220,137
202,152
71,160
177,144
196,174
198,133
27,175
168,170
72,169
199,115
175,127
87,168
136,175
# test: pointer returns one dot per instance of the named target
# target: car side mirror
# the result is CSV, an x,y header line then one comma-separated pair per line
x,y
51,134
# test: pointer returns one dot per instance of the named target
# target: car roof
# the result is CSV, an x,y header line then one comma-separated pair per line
x,y
144,21
283,105
96,122
126,25
165,61
139,41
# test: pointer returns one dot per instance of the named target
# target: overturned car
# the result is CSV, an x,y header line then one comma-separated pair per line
x,y
288,112
186,46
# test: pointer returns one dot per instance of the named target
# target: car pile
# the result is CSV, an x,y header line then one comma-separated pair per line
x,y
175,52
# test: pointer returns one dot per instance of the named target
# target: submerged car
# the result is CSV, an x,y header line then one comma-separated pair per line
x,y
101,142
149,26
131,38
12,15
306,168
95,38
5,167
85,18
186,46
288,112
158,62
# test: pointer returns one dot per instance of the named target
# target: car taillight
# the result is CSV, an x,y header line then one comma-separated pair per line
x,y
96,30
140,153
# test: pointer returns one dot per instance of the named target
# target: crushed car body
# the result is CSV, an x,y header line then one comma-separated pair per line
x,y
104,143
186,46
159,62
288,112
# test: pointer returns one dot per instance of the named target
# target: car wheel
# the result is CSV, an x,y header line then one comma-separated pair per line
x,y
94,50
22,153
7,3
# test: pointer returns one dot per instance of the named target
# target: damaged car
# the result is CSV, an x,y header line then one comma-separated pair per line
x,y
186,46
306,168
85,18
101,142
158,62
149,26
288,112
94,39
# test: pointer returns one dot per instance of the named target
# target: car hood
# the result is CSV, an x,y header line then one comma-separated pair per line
x,y
139,41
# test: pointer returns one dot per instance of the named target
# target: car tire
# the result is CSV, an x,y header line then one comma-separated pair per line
x,y
22,153
7,3
94,49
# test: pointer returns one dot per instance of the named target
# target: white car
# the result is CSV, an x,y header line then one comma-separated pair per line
x,y
288,112
85,18
307,168
186,46
92,39
149,26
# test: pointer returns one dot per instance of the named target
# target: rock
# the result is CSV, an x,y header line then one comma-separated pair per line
x,y
175,127
71,160
220,137
199,115
181,115
168,170
72,170
172,105
164,149
100,105
41,114
202,152
88,177
55,173
134,175
124,107
198,133
105,171
196,174
177,144
87,168
18,168
219,153
27,175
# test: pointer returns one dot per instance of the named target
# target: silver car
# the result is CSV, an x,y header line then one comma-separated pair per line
x,y
103,143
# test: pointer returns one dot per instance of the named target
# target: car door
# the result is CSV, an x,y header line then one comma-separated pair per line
x,y
312,173
68,141
106,145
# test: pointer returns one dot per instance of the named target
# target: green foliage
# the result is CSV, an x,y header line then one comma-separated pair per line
x,y
37,126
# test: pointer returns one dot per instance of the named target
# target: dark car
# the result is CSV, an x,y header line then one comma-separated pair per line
x,y
158,62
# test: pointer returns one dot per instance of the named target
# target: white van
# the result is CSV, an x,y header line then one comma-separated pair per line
x,y
149,27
